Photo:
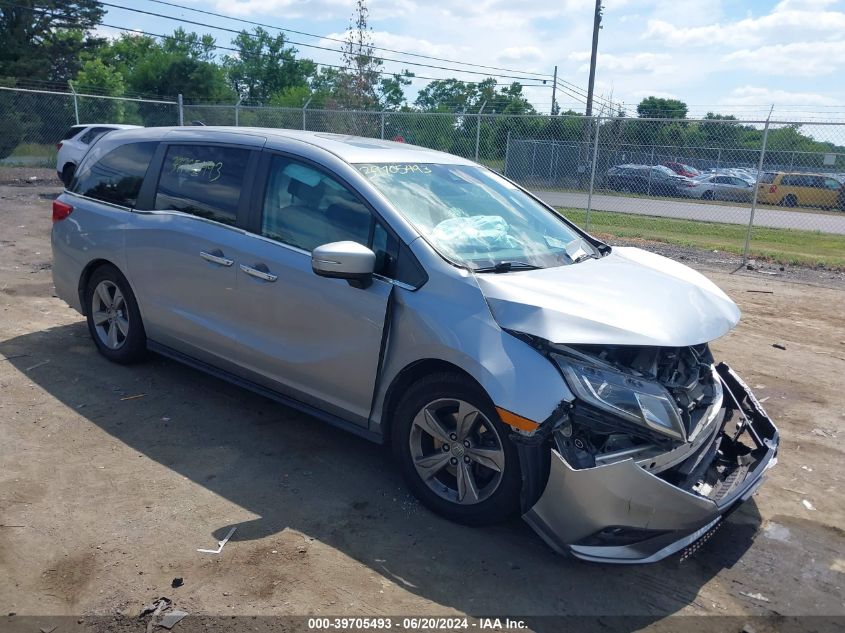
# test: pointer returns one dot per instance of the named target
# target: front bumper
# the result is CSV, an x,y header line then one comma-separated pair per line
x,y
622,513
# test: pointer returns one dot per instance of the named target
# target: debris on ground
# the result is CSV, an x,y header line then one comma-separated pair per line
x,y
156,611
48,629
807,504
778,346
135,397
156,607
177,582
763,292
37,365
755,596
220,544
171,619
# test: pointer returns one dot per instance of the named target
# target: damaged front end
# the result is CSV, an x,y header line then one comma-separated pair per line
x,y
657,447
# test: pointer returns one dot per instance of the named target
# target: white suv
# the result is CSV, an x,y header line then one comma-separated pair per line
x,y
76,142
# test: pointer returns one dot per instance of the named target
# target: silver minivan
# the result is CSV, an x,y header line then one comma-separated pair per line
x,y
513,363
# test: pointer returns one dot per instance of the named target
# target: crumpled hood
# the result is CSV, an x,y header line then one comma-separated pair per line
x,y
630,297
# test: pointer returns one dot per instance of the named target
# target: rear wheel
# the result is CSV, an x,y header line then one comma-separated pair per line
x,y
454,451
114,321
707,195
67,173
789,201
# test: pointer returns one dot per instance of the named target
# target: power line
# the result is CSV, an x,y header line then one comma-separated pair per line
x,y
332,39
315,46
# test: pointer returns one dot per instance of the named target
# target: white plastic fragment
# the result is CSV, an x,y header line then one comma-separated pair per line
x,y
755,596
220,544
807,504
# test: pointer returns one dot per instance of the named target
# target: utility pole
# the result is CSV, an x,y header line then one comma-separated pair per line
x,y
592,81
554,91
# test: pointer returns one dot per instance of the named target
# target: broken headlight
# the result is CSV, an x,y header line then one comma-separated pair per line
x,y
640,401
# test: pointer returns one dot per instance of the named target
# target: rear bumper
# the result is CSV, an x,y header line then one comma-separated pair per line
x,y
621,513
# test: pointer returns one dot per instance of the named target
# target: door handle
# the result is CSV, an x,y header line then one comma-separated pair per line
x,y
264,275
216,257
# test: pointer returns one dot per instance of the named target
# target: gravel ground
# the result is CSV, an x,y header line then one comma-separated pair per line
x,y
111,477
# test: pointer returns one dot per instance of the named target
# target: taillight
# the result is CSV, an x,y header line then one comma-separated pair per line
x,y
61,210
773,189
58,145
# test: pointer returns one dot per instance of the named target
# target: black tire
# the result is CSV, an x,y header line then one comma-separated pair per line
x,y
790,201
503,502
133,345
67,173
707,195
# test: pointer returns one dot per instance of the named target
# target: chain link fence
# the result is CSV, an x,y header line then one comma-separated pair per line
x,y
764,188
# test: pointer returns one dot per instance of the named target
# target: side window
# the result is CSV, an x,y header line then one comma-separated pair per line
x,y
203,180
721,180
832,183
116,176
305,207
788,180
92,134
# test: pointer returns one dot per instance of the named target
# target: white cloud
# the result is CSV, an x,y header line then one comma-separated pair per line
x,y
785,25
634,62
797,58
756,95
520,53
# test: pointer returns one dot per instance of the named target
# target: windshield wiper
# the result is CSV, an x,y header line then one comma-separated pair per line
x,y
506,267
581,258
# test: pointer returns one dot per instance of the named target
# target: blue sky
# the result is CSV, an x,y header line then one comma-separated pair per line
x,y
726,56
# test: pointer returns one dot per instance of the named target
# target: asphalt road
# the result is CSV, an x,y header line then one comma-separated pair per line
x,y
672,208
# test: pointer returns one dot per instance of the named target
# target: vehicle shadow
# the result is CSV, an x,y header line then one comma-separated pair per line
x,y
295,472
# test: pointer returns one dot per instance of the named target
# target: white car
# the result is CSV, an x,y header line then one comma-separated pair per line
x,y
76,141
720,187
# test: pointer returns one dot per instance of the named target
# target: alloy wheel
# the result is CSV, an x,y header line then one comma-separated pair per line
x,y
456,451
110,314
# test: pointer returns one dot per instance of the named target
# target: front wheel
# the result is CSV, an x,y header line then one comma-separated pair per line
x,y
707,195
114,320
455,453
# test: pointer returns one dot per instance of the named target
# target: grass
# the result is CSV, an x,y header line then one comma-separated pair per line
x,y
35,150
784,246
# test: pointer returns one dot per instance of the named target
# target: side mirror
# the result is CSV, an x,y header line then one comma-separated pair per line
x,y
345,260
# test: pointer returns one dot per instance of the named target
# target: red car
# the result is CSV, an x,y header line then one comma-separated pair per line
x,y
683,170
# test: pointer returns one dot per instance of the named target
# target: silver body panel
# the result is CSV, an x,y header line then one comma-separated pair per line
x,y
592,302
338,349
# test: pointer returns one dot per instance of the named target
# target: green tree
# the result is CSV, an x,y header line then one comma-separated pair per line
x,y
658,108
391,90
264,66
45,39
97,78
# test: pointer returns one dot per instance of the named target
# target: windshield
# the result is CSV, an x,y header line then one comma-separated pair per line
x,y
477,219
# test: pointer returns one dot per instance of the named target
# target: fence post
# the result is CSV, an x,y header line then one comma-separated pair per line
x,y
478,130
304,108
179,104
592,174
756,187
719,157
238,111
382,125
507,151
75,104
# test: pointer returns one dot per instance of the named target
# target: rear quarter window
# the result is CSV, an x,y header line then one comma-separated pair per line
x,y
73,131
767,177
117,175
203,180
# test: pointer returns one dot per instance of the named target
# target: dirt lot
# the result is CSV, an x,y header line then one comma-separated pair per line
x,y
111,478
